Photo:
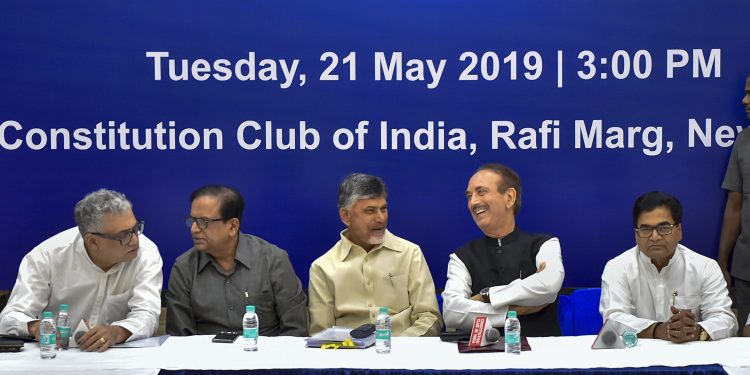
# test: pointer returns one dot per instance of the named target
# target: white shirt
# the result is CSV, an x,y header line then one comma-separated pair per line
x,y
60,271
635,294
538,289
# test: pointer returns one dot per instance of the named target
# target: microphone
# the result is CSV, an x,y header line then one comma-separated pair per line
x,y
482,334
78,336
609,338
492,335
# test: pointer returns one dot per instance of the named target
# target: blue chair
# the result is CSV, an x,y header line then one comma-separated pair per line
x,y
586,317
440,302
578,313
565,314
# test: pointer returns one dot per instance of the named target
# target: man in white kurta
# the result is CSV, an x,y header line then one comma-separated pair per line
x,y
662,289
105,269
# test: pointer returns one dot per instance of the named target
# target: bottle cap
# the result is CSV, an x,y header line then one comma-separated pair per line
x,y
47,315
512,314
630,339
383,310
64,307
250,308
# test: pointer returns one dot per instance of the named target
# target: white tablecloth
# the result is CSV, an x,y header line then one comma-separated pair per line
x,y
198,352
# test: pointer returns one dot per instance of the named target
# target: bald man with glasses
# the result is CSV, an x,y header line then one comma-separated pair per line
x,y
211,283
105,269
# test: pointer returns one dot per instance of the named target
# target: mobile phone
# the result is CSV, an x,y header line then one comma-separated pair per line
x,y
363,331
455,336
226,337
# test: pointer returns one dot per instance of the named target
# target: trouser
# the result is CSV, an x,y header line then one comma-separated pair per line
x,y
742,294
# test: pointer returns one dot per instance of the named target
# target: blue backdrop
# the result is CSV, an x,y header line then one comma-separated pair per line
x,y
654,65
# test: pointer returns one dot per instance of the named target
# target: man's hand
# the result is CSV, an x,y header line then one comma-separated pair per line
x,y
521,310
682,327
541,268
101,337
526,310
727,275
33,328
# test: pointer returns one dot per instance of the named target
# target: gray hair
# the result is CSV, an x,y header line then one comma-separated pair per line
x,y
358,186
90,211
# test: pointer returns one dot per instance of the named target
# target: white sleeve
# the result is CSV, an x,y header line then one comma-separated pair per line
x,y
716,307
616,302
458,310
30,295
145,304
538,289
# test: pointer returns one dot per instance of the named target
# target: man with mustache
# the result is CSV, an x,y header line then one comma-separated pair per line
x,y
104,269
734,243
660,288
369,267
211,283
506,269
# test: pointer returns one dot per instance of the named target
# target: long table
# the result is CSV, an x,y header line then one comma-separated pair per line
x,y
288,355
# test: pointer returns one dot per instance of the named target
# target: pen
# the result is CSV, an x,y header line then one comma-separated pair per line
x,y
390,277
246,297
674,296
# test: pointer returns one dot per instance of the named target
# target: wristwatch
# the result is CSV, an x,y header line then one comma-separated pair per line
x,y
703,335
485,293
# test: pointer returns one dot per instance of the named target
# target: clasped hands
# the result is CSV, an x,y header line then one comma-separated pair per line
x,y
681,327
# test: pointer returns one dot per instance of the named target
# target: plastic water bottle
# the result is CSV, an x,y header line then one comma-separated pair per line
x,y
63,327
512,334
383,332
47,334
250,329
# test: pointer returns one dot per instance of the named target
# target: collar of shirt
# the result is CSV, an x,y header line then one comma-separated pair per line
x,y
645,262
502,241
80,249
242,255
346,245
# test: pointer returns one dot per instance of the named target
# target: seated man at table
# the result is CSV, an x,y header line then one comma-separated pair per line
x,y
660,288
369,267
225,270
506,269
105,269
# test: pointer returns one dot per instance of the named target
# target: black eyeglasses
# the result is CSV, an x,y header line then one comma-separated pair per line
x,y
645,231
125,237
201,221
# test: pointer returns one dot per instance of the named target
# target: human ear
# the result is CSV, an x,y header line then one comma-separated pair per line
x,y
345,217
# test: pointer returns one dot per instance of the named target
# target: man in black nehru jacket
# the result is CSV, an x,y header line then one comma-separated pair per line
x,y
506,269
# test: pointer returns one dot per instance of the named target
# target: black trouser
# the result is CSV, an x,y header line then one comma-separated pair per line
x,y
742,294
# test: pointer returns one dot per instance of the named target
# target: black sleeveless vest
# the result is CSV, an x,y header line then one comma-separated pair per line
x,y
491,264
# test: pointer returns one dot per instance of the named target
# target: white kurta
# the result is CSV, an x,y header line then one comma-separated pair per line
x,y
635,294
60,271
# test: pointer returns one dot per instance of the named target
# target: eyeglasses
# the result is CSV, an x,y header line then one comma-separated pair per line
x,y
201,221
645,231
125,237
